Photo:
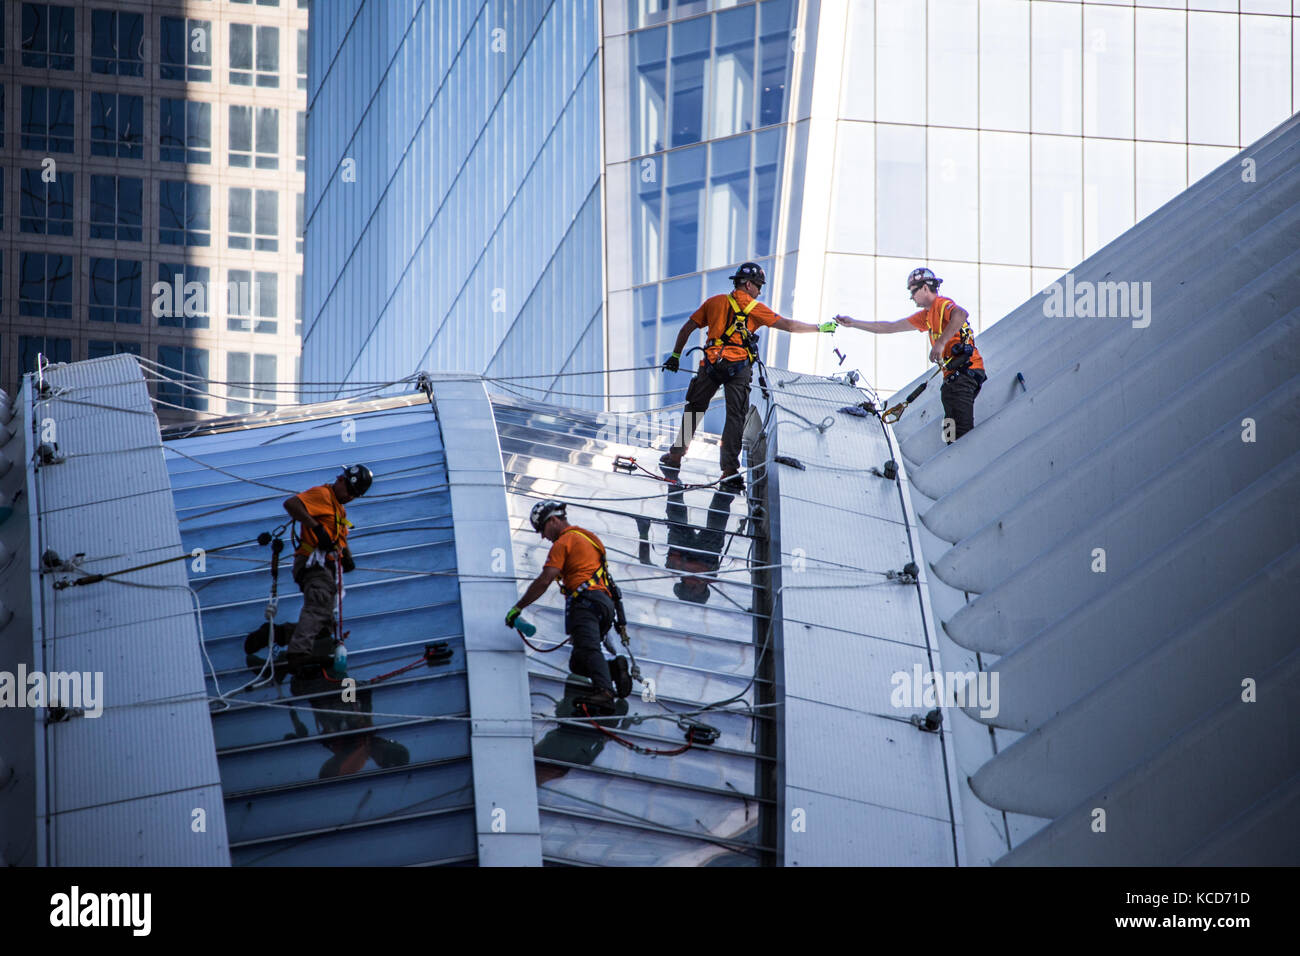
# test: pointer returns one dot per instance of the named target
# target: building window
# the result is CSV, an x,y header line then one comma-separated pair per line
x,y
98,348
254,51
117,208
257,382
302,140
267,221
46,207
180,296
302,59
298,204
2,97
185,49
115,291
48,36
297,306
117,43
184,131
54,350
47,119
254,137
184,213
188,366
253,219
45,286
249,296
117,125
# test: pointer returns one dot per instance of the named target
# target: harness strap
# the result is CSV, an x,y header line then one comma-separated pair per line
x,y
602,573
739,326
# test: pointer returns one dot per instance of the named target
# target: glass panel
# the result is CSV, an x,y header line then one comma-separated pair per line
x,y
954,64
647,227
954,194
1056,29
900,48
858,97
767,166
900,191
733,73
1057,212
1004,64
690,56
240,218
1212,78
728,209
1161,175
685,195
1108,72
1107,191
1161,75
649,54
777,23
1265,75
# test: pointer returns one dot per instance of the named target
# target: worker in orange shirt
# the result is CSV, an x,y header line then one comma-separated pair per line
x,y
952,345
324,537
577,560
733,322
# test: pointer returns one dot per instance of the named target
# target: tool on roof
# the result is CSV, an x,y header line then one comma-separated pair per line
x,y
892,415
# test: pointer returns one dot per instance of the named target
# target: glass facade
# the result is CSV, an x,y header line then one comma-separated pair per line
x,y
452,207
707,104
1001,143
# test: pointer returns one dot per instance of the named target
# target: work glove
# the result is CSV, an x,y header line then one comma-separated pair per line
x,y
670,363
827,327
348,564
323,540
512,615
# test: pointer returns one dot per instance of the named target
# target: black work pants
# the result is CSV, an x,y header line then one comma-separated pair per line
x,y
958,394
701,391
588,618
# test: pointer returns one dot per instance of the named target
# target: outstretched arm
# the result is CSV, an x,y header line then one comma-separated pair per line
x,y
899,325
790,325
538,587
683,336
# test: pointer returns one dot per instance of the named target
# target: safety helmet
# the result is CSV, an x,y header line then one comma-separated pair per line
x,y
544,511
923,276
750,272
358,478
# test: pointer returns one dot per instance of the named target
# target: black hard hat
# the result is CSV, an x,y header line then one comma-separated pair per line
x,y
696,595
544,511
750,272
358,478
923,276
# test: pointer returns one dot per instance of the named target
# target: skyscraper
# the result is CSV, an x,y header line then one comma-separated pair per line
x,y
466,156
153,177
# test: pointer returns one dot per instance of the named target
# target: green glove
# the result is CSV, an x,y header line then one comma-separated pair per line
x,y
511,615
670,363
827,327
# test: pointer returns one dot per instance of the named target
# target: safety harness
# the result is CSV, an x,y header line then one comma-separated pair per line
x,y
962,351
602,576
739,326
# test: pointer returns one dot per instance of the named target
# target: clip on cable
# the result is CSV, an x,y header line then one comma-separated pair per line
x,y
438,653
699,733
625,463
792,462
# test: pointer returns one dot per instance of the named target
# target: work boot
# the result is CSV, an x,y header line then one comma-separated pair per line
x,y
598,703
670,462
734,482
618,670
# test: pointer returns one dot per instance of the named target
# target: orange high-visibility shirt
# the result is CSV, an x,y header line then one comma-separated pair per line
x,y
576,557
933,320
325,508
715,314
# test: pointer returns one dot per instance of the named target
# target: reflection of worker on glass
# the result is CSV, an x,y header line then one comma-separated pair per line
x,y
351,750
691,550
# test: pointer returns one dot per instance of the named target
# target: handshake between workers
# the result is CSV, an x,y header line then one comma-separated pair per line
x,y
731,322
